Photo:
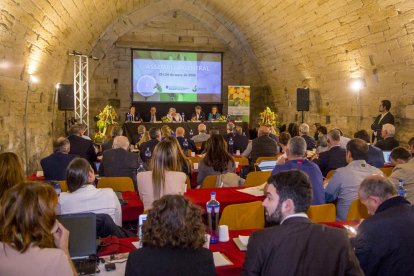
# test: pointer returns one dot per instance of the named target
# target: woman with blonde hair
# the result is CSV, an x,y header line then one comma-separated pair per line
x,y
144,138
11,171
165,175
166,131
32,241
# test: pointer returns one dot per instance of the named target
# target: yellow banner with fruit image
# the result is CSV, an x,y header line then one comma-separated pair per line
x,y
239,102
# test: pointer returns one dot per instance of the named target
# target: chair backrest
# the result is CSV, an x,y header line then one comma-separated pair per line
x,y
188,182
243,161
387,171
256,178
209,181
243,216
195,159
322,213
330,174
63,186
119,184
357,211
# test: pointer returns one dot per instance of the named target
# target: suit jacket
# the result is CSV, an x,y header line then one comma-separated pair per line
x,y
119,162
54,166
377,125
310,142
331,159
263,146
240,143
170,261
375,157
388,143
191,144
384,244
143,147
148,117
84,148
201,117
300,247
107,145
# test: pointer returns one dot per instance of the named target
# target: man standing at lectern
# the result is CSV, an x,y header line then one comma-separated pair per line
x,y
384,118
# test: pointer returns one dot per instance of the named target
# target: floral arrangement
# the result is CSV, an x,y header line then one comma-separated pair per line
x,y
222,118
268,118
165,119
106,118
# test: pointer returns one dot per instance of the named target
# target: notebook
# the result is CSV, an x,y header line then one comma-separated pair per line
x,y
82,241
267,165
387,154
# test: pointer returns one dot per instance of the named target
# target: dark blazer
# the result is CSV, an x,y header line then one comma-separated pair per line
x,y
119,162
310,142
239,142
84,148
263,146
388,143
148,117
136,139
170,261
107,145
143,147
377,125
300,247
201,117
375,157
191,144
54,166
137,117
384,244
331,159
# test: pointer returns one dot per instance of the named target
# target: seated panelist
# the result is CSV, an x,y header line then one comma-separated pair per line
x,y
132,115
173,116
198,114
214,115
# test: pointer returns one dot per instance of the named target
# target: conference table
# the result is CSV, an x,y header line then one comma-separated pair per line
x,y
131,128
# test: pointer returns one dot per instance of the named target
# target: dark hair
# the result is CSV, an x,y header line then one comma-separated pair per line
x,y
77,173
293,129
358,148
323,130
153,132
411,142
173,221
317,125
284,138
214,131
282,128
386,104
400,153
216,153
294,185
362,134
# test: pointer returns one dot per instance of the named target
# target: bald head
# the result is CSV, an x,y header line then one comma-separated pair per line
x,y
263,130
179,132
121,142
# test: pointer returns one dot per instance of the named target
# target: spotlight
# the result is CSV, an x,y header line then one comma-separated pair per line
x,y
33,79
357,84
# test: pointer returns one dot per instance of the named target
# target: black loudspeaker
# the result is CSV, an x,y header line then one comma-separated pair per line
x,y
66,97
302,99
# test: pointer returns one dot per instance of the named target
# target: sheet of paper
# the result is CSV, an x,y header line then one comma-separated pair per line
x,y
244,239
136,244
221,259
239,244
254,191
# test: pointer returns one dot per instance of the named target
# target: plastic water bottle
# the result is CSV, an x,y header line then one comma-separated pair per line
x,y
148,154
191,133
185,146
244,133
401,190
183,116
228,118
231,143
213,209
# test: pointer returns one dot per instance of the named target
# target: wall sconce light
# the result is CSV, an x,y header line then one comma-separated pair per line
x,y
33,79
357,84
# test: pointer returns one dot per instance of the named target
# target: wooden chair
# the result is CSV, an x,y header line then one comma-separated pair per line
x,y
322,213
357,211
243,216
188,182
119,184
387,171
256,178
209,181
63,186
330,174
243,161
195,159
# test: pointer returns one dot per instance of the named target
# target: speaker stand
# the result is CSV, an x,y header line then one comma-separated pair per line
x,y
66,123
302,116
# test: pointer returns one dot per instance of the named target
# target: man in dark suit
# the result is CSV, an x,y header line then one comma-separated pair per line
x,y
119,161
54,166
263,145
155,135
180,135
389,142
132,115
296,246
198,115
304,133
384,244
115,131
384,118
80,146
333,158
375,155
239,140
152,117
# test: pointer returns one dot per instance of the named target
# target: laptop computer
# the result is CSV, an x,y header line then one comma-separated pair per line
x,y
82,241
267,165
387,158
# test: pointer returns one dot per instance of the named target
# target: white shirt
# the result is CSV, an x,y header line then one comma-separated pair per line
x,y
90,199
297,215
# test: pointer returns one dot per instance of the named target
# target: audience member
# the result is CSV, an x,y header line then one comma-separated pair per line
x,y
388,142
202,135
316,126
132,115
11,171
322,144
384,118
144,138
83,196
214,115
343,185
81,147
152,117
263,145
198,114
229,131
293,129
216,160
165,175
184,163
141,130
284,138
32,241
296,152
296,246
173,239
119,161
343,140
54,166
375,156
384,243
333,158
84,129
173,116
273,133
411,145
403,170
155,135
180,134
304,133
166,131
322,130
239,140
115,131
